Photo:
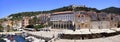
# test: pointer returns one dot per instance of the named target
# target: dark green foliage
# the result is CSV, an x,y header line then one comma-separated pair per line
x,y
70,8
35,20
66,8
38,26
111,10
1,28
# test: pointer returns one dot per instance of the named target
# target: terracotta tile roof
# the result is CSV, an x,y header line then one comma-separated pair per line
x,y
65,12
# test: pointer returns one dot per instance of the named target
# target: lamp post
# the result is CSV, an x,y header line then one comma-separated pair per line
x,y
73,9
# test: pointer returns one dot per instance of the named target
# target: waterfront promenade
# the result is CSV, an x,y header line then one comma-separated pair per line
x,y
106,39
53,35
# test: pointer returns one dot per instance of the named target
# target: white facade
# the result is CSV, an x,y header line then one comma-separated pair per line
x,y
62,17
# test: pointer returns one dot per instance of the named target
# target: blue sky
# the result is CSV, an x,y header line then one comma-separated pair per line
x,y
8,7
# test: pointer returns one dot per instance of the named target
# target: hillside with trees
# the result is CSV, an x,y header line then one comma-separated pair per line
x,y
18,16
111,10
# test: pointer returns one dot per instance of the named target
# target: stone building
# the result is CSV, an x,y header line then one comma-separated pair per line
x,y
103,20
17,24
83,20
62,20
7,25
43,18
100,24
25,21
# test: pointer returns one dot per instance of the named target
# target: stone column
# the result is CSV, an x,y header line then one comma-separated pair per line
x,y
59,25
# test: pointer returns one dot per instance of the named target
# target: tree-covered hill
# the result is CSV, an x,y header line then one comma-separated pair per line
x,y
65,8
77,8
18,16
111,10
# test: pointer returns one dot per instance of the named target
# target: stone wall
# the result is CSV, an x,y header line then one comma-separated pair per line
x,y
100,25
